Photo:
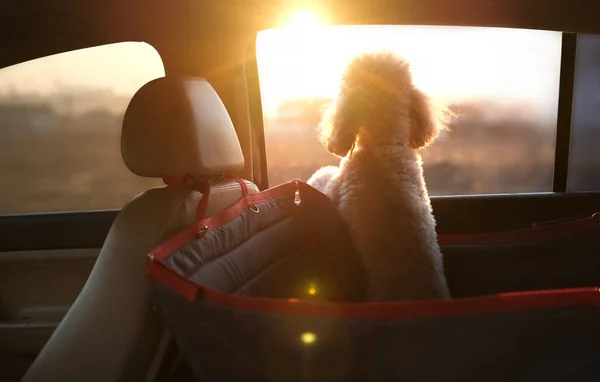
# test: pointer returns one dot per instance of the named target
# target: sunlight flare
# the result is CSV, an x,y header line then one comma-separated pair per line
x,y
450,63
303,20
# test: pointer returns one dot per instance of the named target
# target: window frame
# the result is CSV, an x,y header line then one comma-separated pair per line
x,y
565,111
257,126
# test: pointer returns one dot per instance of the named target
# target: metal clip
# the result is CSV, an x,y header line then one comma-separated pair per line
x,y
254,208
202,232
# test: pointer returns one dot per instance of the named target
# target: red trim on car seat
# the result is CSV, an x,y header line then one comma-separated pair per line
x,y
170,279
243,204
494,304
539,232
242,185
166,248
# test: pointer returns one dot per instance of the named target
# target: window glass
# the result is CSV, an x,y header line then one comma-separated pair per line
x,y
584,158
60,122
503,82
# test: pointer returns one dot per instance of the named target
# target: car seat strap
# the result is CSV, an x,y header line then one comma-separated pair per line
x,y
194,183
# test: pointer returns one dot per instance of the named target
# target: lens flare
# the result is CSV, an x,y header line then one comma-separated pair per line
x,y
308,338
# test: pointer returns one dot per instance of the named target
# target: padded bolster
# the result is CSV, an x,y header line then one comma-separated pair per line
x,y
176,126
229,256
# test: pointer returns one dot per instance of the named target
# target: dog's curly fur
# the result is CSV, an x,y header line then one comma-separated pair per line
x,y
377,124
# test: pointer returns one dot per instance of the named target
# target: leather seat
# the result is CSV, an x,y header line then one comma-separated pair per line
x,y
172,127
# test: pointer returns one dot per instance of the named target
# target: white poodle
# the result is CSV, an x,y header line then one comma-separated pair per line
x,y
377,124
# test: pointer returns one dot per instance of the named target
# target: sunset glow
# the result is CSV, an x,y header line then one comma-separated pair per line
x,y
303,20
448,62
305,58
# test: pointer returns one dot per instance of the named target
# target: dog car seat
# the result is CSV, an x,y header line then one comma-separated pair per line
x,y
269,290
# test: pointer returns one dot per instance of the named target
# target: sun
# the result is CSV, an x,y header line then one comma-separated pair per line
x,y
303,20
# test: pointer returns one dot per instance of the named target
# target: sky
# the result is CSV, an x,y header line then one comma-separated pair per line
x,y
306,60
449,63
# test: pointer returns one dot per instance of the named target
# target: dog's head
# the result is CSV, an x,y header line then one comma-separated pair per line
x,y
378,104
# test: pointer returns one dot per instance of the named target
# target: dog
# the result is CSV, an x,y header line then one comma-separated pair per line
x,y
377,123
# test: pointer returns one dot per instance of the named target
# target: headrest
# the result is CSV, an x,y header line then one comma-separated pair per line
x,y
175,127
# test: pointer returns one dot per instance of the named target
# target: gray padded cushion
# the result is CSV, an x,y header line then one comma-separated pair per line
x,y
178,126
230,256
276,252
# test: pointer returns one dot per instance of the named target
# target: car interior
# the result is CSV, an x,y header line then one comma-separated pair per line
x,y
75,301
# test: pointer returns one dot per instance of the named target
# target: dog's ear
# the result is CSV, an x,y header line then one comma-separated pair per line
x,y
341,122
426,122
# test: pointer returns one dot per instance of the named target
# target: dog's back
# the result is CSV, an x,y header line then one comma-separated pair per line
x,y
378,122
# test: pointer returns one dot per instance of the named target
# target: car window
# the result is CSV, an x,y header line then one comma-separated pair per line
x,y
584,159
60,122
504,83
